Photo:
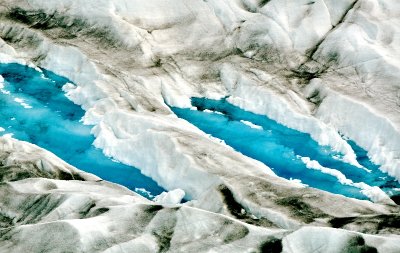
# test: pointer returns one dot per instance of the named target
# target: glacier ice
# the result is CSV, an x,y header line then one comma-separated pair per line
x,y
170,198
326,68
85,214
288,151
34,109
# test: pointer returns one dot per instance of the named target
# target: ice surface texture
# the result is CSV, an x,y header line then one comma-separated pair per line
x,y
82,214
321,67
35,109
285,150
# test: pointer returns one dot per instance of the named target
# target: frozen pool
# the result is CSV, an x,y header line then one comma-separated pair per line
x,y
33,108
286,151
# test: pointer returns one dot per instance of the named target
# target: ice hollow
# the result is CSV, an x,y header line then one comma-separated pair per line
x,y
288,151
35,109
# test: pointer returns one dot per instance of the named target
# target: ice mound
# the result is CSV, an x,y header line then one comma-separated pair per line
x,y
170,198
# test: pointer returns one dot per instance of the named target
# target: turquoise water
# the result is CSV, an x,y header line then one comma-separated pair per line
x,y
281,148
33,108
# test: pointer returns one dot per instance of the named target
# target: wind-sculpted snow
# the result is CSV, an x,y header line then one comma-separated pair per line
x,y
325,68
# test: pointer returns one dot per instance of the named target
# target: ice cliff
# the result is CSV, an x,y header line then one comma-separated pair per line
x,y
323,67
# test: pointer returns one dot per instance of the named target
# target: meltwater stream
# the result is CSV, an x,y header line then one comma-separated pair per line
x,y
286,151
33,108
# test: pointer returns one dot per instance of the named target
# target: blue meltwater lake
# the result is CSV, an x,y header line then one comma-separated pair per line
x,y
34,108
284,150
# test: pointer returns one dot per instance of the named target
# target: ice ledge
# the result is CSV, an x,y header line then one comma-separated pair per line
x,y
252,96
361,123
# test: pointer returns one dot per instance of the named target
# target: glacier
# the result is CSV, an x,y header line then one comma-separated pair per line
x,y
288,152
51,121
324,68
41,193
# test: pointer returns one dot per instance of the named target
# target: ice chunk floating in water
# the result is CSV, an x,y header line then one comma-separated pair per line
x,y
33,108
290,153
